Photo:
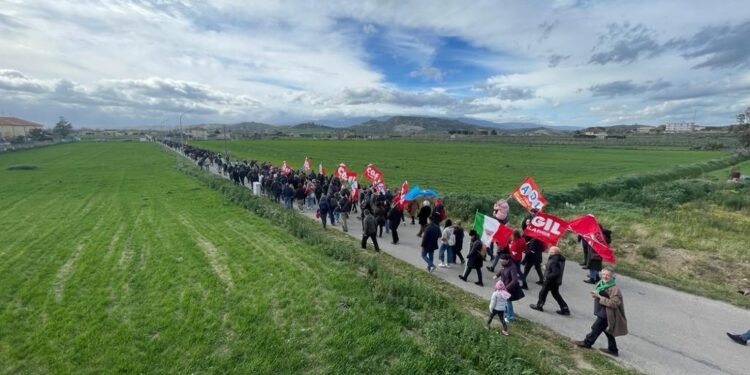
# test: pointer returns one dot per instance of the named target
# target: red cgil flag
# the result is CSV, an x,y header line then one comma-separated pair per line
x,y
587,227
373,174
341,171
546,228
321,170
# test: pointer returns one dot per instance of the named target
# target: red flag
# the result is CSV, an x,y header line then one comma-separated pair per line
x,y
341,171
502,236
546,228
380,187
404,190
372,173
528,195
587,227
285,168
308,165
321,170
352,178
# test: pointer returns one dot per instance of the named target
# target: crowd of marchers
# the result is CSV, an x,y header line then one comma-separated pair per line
x,y
378,211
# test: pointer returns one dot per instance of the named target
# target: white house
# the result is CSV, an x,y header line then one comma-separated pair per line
x,y
680,127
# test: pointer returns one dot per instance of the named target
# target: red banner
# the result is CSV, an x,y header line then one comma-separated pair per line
x,y
587,227
404,189
372,173
341,171
380,187
307,165
528,195
502,236
546,228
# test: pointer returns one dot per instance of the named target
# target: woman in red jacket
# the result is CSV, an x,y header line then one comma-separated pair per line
x,y
517,248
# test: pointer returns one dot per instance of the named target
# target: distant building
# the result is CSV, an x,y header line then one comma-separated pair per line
x,y
680,127
197,132
645,130
11,127
598,132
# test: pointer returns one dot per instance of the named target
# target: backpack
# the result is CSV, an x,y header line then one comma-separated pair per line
x,y
483,251
452,240
323,205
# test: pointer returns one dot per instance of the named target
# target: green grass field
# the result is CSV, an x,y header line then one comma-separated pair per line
x,y
115,261
480,167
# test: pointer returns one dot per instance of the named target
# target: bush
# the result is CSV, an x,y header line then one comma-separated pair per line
x,y
648,252
22,167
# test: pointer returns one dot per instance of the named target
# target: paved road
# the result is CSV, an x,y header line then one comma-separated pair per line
x,y
671,332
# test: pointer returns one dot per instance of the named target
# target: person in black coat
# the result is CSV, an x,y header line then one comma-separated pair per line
x,y
509,275
394,220
380,216
324,205
458,232
423,215
534,251
369,230
474,258
553,275
430,244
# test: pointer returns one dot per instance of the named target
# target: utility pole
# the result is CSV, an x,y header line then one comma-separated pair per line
x,y
225,140
182,133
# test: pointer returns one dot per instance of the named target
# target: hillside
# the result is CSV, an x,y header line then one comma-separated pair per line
x,y
409,125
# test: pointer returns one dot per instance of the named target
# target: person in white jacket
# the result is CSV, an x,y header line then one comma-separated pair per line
x,y
447,240
497,305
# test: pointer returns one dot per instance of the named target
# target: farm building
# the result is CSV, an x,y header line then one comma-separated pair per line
x,y
680,127
11,127
197,132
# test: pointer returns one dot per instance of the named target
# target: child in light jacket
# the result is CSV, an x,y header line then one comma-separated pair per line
x,y
497,305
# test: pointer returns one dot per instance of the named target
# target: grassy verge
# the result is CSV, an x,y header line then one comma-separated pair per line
x,y
689,235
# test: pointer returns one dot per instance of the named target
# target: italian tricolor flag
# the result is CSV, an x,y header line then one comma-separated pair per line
x,y
490,230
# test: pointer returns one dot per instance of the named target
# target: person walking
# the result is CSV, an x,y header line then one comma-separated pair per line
x,y
299,195
430,244
553,275
447,240
323,207
394,220
534,250
509,275
740,339
345,206
516,250
497,306
474,258
369,230
609,309
380,217
424,214
458,232
594,260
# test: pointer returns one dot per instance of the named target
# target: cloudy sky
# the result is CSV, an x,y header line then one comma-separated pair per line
x,y
566,62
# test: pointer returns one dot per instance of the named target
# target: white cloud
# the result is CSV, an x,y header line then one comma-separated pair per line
x,y
271,60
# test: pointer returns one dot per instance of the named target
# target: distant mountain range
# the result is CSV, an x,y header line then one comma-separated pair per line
x,y
397,125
